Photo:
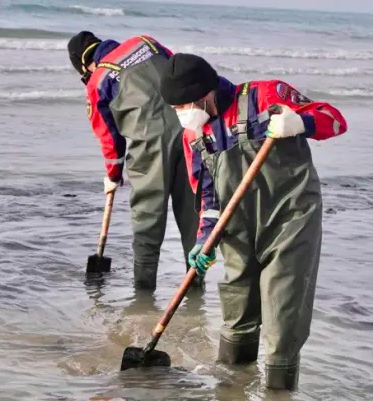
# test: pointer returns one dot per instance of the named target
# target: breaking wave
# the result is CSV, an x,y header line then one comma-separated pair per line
x,y
279,71
31,33
98,11
42,95
76,9
15,69
31,44
275,71
49,44
339,54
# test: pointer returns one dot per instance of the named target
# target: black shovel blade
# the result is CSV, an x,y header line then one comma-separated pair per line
x,y
134,357
96,264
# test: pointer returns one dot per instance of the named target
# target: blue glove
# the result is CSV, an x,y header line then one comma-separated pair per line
x,y
200,261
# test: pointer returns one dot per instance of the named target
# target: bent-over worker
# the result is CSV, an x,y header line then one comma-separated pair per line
x,y
127,112
271,246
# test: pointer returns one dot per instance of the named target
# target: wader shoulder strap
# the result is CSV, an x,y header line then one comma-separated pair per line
x,y
199,145
243,111
198,197
239,128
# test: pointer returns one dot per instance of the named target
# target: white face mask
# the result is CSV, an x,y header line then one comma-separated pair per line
x,y
193,118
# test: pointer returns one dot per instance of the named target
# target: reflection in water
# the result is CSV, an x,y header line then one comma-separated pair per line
x,y
160,384
94,282
174,384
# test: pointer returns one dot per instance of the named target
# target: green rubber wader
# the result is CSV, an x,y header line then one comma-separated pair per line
x,y
155,166
271,247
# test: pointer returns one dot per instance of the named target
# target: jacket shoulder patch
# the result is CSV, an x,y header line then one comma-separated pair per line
x,y
282,90
286,92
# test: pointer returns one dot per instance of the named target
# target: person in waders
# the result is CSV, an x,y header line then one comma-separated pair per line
x,y
127,112
271,246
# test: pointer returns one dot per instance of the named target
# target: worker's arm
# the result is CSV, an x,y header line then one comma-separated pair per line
x,y
321,120
209,213
113,145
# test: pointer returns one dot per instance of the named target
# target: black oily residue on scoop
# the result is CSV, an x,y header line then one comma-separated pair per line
x,y
133,357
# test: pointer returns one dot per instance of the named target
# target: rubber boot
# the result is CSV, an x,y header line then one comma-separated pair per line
x,y
282,377
145,276
232,353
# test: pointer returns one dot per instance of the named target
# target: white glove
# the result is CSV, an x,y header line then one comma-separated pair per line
x,y
286,124
110,186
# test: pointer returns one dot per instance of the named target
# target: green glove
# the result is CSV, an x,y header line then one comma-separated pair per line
x,y
200,261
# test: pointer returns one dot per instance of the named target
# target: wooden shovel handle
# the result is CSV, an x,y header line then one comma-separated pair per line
x,y
213,239
105,223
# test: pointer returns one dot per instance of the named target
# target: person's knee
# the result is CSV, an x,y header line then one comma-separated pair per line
x,y
145,250
240,305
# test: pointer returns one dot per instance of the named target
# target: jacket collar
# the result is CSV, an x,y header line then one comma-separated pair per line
x,y
225,94
103,49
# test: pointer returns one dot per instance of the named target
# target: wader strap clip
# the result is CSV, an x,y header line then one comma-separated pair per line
x,y
200,146
239,128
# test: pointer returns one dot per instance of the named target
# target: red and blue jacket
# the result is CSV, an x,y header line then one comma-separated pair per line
x,y
102,88
321,120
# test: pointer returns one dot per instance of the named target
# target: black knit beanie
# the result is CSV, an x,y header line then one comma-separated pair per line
x,y
186,79
77,46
